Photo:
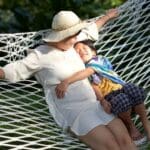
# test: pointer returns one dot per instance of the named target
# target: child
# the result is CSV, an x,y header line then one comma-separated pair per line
x,y
115,95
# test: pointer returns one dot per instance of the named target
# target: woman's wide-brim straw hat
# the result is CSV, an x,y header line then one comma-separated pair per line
x,y
64,25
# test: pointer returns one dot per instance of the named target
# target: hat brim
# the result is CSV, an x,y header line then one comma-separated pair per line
x,y
56,36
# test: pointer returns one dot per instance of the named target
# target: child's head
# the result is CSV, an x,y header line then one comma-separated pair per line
x,y
85,49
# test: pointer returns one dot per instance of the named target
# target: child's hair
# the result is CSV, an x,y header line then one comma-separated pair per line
x,y
89,43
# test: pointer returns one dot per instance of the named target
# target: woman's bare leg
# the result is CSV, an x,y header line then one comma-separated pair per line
x,y
121,134
133,131
141,111
100,138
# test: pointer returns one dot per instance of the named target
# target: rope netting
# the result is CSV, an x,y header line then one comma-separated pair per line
x,y
25,121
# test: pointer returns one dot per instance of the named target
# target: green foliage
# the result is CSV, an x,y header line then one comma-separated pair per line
x,y
31,15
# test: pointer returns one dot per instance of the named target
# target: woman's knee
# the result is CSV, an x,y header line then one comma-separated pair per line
x,y
120,132
100,138
125,140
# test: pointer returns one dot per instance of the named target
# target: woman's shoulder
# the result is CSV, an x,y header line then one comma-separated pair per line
x,y
43,49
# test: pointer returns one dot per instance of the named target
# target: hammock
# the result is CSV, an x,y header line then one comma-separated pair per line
x,y
25,121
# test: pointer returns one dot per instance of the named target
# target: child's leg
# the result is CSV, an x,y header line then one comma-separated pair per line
x,y
133,131
121,106
141,110
137,96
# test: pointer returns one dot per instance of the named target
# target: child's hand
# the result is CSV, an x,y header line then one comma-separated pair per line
x,y
112,13
106,105
61,89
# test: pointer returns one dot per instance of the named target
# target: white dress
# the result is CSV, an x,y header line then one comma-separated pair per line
x,y
79,109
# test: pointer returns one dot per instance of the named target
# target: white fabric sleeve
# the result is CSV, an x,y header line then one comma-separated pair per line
x,y
90,32
22,69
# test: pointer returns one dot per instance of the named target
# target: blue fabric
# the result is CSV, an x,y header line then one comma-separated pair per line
x,y
103,67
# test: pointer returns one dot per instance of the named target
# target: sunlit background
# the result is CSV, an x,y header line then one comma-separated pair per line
x,y
33,15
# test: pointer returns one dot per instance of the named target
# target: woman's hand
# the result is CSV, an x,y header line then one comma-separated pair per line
x,y
106,105
61,89
112,13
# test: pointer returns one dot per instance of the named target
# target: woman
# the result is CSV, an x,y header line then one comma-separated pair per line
x,y
57,60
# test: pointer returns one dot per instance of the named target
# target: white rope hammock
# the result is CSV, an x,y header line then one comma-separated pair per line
x,y
25,122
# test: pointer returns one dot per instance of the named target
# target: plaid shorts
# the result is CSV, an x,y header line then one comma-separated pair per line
x,y
129,96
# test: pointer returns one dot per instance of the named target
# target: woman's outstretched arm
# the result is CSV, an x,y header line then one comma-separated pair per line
x,y
112,13
91,31
21,69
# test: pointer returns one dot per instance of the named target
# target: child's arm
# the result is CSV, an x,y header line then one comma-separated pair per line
x,y
106,105
62,87
112,13
80,75
97,92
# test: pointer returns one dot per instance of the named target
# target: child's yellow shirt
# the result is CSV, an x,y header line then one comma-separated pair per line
x,y
107,86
